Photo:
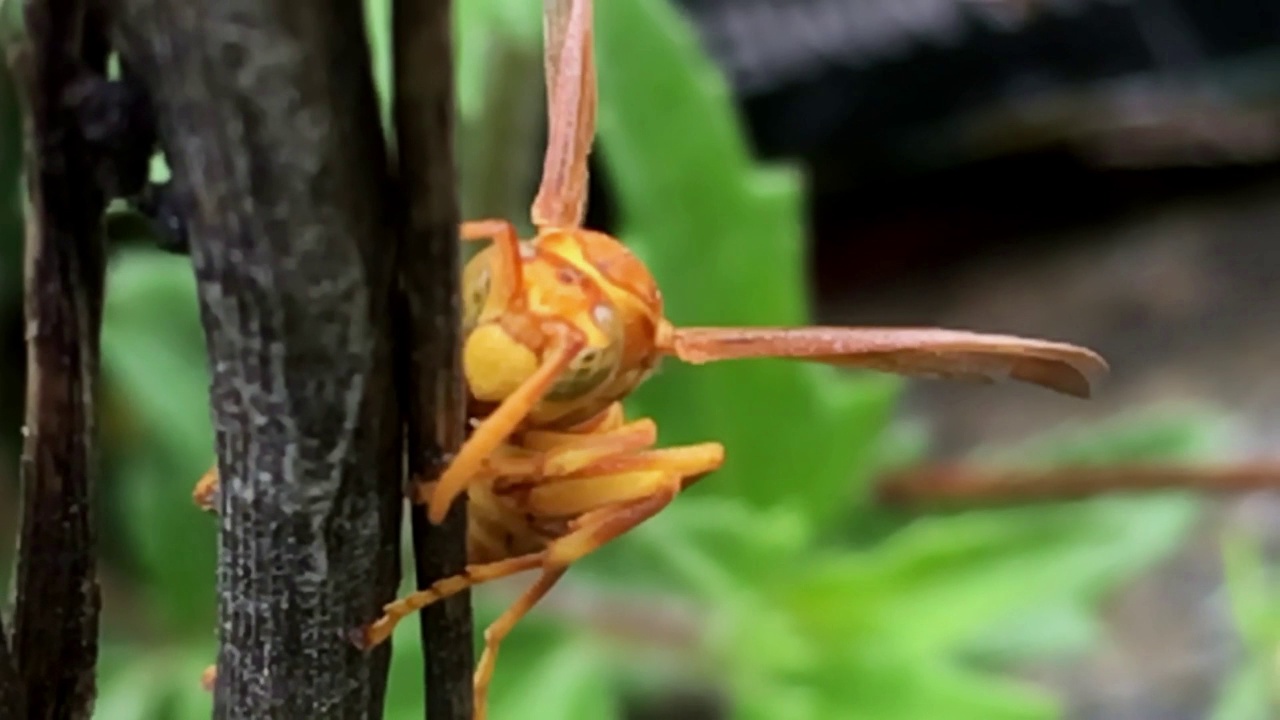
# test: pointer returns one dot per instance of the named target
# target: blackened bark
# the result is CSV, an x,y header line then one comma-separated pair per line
x,y
268,115
55,624
12,694
430,277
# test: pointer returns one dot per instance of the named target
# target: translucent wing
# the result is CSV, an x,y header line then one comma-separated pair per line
x,y
571,113
927,352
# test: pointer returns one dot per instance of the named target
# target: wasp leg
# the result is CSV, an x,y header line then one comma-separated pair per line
x,y
567,453
610,418
496,632
508,280
209,677
471,576
554,454
612,478
205,493
630,499
496,230
494,431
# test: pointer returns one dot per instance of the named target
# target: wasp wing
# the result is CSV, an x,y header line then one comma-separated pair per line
x,y
922,352
569,57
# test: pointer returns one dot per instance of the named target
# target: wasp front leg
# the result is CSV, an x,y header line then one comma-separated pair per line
x,y
494,431
507,279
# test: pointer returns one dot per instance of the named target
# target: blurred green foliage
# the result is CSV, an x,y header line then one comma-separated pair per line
x,y
1253,692
786,602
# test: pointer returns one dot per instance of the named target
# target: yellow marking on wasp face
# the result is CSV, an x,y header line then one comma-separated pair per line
x,y
496,363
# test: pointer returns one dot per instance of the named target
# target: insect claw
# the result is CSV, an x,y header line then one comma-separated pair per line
x,y
205,493
419,490
360,637
209,677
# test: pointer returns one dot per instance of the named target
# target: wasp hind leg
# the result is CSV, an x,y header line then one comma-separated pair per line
x,y
620,501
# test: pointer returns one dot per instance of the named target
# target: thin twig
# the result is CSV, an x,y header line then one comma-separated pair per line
x,y
55,623
269,119
976,486
430,278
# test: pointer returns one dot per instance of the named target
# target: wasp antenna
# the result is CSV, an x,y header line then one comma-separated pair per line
x,y
571,113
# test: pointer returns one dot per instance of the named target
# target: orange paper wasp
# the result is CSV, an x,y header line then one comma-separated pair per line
x,y
559,329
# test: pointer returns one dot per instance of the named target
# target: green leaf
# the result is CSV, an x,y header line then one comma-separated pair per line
x,y
404,679
941,584
1249,694
153,358
561,677
133,693
1167,433
883,683
892,686
1248,587
155,683
377,18
187,696
709,547
1053,629
766,697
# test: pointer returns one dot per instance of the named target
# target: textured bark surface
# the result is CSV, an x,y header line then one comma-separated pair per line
x,y
430,274
269,119
54,644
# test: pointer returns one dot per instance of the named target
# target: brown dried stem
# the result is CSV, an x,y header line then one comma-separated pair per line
x,y
963,485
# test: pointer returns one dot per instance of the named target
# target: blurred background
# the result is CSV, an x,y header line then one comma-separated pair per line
x,y
1097,171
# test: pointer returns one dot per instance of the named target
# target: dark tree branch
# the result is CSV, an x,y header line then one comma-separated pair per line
x,y
430,277
55,624
942,486
267,113
12,694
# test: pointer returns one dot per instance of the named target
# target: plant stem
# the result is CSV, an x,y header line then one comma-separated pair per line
x,y
968,486
430,267
55,624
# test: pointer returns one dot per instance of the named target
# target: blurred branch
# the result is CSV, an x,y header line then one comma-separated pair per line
x,y
55,624
269,119
431,276
625,617
502,145
973,486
